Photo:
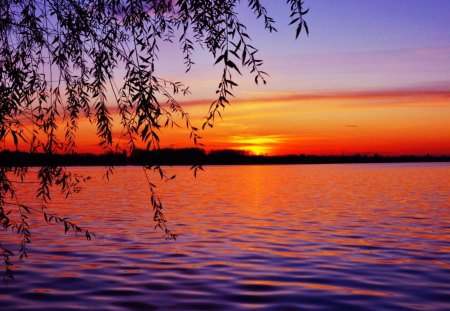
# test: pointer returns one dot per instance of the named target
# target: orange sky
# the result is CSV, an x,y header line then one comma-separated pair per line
x,y
388,123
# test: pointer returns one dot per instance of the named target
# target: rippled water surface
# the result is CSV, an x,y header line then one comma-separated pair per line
x,y
370,236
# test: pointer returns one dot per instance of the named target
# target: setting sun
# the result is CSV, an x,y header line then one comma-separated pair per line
x,y
261,145
256,149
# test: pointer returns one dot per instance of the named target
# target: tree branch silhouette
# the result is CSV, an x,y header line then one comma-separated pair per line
x,y
60,61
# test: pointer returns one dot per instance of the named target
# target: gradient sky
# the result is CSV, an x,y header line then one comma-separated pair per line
x,y
372,77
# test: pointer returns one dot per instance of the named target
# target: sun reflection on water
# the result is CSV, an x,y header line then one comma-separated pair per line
x,y
281,237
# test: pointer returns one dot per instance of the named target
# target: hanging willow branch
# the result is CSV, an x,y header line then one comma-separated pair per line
x,y
65,60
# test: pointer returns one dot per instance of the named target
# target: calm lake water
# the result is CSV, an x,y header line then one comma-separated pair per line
x,y
312,237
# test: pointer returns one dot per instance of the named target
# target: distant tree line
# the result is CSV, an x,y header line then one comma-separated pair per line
x,y
197,157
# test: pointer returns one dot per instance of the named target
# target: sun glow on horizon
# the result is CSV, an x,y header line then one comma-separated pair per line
x,y
256,150
413,122
258,145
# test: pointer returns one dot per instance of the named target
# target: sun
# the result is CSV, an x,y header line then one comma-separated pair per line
x,y
257,145
256,149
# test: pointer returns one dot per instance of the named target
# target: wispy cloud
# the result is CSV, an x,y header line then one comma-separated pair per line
x,y
417,97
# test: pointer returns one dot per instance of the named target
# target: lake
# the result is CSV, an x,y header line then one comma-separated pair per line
x,y
309,237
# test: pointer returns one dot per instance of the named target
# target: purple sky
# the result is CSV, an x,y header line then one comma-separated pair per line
x,y
354,45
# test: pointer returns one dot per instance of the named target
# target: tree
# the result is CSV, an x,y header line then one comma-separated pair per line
x,y
59,61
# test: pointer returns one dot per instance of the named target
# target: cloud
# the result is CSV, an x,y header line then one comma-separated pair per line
x,y
412,98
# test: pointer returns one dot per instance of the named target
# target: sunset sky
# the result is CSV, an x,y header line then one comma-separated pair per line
x,y
372,77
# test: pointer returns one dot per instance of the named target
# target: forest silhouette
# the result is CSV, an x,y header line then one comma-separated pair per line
x,y
198,157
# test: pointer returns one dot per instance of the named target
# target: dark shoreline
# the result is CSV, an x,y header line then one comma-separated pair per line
x,y
195,156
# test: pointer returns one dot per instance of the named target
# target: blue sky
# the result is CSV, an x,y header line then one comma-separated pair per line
x,y
353,45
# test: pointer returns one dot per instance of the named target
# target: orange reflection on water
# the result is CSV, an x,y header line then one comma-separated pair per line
x,y
366,230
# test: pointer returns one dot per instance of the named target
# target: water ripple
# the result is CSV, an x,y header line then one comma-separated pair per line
x,y
331,237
